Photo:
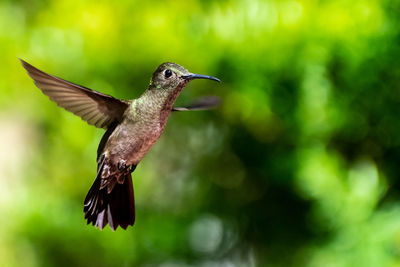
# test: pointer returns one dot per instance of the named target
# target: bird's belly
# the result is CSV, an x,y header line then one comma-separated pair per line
x,y
139,150
131,142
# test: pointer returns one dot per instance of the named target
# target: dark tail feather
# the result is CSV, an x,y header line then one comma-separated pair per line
x,y
115,208
122,204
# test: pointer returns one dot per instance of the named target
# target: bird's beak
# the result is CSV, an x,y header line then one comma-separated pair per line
x,y
192,76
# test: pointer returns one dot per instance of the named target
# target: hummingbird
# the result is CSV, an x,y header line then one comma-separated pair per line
x,y
132,127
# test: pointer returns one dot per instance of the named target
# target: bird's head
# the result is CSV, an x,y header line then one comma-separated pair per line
x,y
171,76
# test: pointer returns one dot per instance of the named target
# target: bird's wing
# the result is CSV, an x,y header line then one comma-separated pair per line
x,y
207,102
94,107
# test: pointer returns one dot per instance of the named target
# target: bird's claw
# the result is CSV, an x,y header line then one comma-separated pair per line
x,y
122,165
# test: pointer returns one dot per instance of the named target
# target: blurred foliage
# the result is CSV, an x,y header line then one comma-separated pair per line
x,y
298,167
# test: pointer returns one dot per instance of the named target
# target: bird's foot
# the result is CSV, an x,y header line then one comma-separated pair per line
x,y
125,168
122,165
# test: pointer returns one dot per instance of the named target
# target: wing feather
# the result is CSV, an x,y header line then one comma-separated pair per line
x,y
207,102
94,107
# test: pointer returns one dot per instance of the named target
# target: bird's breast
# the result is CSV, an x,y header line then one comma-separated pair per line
x,y
131,141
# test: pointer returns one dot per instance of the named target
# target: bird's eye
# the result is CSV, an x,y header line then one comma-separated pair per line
x,y
167,73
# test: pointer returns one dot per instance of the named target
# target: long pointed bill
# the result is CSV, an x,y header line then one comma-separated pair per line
x,y
199,76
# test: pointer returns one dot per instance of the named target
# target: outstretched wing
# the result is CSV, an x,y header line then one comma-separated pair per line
x,y
207,102
93,107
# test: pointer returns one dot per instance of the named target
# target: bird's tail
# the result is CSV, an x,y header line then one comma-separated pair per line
x,y
115,208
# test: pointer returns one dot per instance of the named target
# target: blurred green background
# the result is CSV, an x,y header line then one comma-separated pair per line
x,y
298,167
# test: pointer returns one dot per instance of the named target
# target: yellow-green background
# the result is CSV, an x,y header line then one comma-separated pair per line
x,y
299,166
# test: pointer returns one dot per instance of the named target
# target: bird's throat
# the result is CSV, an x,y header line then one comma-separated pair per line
x,y
157,103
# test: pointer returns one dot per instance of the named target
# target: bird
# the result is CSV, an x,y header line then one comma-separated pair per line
x,y
132,127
